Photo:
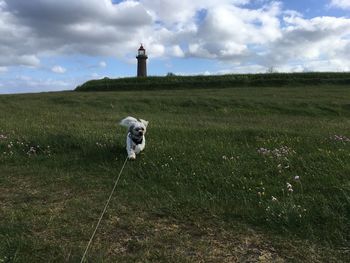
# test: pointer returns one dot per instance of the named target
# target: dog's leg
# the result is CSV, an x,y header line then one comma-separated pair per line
x,y
129,149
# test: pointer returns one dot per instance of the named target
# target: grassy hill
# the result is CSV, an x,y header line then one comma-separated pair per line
x,y
221,81
258,174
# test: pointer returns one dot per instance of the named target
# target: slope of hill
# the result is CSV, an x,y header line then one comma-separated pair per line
x,y
222,81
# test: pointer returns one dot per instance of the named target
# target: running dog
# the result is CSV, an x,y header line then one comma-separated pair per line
x,y
135,139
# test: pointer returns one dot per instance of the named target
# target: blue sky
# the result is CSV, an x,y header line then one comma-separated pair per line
x,y
57,45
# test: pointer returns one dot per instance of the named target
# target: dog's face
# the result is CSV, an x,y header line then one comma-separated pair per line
x,y
138,129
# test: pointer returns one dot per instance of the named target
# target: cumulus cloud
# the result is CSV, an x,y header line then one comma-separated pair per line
x,y
320,43
15,41
58,69
225,30
94,27
344,4
180,13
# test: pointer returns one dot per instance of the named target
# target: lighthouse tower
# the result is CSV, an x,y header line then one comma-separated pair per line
x,y
141,62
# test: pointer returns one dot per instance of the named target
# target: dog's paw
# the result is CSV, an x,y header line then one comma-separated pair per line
x,y
132,157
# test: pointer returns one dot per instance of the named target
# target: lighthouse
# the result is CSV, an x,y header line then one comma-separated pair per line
x,y
141,62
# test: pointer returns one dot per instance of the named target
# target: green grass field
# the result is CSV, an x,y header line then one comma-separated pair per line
x,y
228,175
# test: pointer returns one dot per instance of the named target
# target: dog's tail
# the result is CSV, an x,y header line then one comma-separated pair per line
x,y
128,121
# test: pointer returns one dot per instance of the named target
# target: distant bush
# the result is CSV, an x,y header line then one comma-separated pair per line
x,y
219,81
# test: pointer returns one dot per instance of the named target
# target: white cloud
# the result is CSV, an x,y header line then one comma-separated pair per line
x,y
176,51
45,28
58,69
320,41
227,31
28,60
102,64
344,4
180,13
3,69
15,41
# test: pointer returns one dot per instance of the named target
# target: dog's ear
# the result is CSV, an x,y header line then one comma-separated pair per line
x,y
131,127
144,122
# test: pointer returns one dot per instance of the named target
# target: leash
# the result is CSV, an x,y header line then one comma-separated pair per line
x,y
103,212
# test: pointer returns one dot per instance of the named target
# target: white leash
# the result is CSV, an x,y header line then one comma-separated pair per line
x,y
103,212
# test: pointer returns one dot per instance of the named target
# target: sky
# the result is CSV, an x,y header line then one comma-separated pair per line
x,y
50,45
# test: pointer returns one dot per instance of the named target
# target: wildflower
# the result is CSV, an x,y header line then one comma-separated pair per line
x,y
264,151
274,199
32,150
283,151
297,177
340,138
224,157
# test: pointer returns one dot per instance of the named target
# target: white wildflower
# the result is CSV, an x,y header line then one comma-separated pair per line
x,y
340,138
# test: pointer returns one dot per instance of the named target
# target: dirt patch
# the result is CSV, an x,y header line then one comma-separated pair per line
x,y
168,239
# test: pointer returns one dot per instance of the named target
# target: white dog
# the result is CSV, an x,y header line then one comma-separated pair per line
x,y
135,140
